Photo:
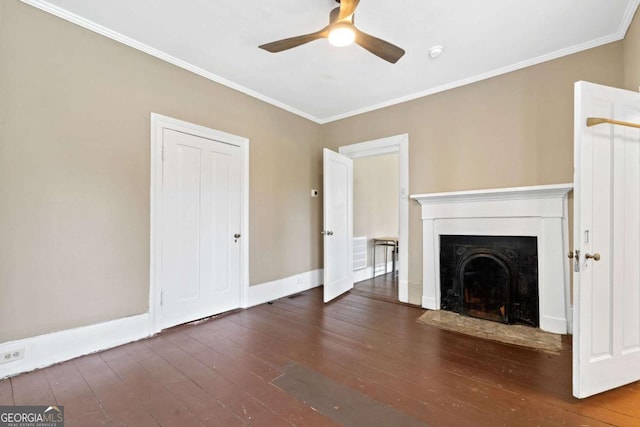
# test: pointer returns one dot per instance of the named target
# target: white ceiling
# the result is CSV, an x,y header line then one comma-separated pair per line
x,y
482,38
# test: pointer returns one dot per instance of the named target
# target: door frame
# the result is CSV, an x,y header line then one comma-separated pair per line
x,y
158,124
389,145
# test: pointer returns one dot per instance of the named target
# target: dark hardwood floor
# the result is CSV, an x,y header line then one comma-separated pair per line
x,y
383,287
220,373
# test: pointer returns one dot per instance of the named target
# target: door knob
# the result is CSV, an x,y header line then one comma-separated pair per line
x,y
328,233
236,237
595,257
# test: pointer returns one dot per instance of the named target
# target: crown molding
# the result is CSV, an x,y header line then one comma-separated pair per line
x,y
114,35
92,26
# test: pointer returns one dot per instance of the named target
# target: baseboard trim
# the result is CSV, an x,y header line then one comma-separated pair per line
x,y
429,303
553,324
570,321
46,350
362,274
270,291
367,272
403,293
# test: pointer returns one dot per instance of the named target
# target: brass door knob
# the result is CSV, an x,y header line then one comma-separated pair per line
x,y
595,257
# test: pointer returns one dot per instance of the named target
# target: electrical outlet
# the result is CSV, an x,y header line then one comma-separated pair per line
x,y
12,356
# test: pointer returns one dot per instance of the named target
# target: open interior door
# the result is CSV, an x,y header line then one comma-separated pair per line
x,y
606,343
338,224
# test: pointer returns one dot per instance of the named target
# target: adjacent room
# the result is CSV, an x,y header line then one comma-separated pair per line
x,y
320,212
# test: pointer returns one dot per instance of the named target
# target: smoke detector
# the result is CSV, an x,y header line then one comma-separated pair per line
x,y
435,51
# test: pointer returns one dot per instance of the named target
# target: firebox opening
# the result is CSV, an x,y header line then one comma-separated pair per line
x,y
490,277
484,288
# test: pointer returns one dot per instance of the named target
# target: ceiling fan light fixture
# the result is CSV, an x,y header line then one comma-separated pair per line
x,y
341,32
342,35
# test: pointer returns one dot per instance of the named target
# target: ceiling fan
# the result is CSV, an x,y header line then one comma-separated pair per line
x,y
341,31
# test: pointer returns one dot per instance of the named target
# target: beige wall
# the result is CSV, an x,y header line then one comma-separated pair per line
x,y
632,55
511,130
74,173
74,160
376,183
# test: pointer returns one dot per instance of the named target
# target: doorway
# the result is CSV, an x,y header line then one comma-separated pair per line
x,y
375,226
397,146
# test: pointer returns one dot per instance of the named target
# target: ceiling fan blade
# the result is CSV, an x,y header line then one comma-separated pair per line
x,y
347,7
291,42
383,49
334,15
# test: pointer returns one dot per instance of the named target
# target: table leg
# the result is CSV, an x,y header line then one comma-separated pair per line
x,y
386,252
374,258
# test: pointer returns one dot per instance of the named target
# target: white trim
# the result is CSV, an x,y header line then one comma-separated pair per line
x,y
362,274
539,211
90,25
367,272
627,18
392,144
271,291
629,13
479,77
126,40
538,192
378,147
46,350
567,269
158,123
244,249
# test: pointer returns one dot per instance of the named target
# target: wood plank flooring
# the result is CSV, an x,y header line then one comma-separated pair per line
x,y
220,373
383,287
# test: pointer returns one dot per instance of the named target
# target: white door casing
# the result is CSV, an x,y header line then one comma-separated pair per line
x,y
199,201
606,343
338,224
388,145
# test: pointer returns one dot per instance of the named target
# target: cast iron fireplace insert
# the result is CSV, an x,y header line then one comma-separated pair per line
x,y
490,277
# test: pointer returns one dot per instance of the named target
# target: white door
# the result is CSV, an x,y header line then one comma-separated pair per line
x,y
338,224
606,342
201,216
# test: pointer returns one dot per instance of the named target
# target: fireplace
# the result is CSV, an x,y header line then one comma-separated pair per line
x,y
490,277
538,213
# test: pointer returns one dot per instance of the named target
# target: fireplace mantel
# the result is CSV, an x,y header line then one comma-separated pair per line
x,y
539,211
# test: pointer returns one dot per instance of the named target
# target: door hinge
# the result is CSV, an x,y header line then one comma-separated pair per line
x,y
575,257
161,294
162,154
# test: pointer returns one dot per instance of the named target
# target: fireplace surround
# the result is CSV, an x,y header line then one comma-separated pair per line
x,y
538,211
